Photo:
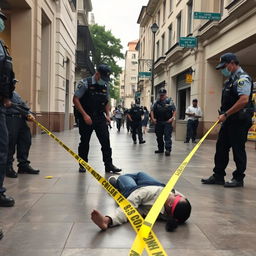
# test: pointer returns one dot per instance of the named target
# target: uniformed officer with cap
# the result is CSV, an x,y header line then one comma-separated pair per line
x,y
91,99
6,80
235,116
163,114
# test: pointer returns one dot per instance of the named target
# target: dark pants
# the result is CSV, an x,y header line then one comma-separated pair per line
x,y
191,129
3,147
163,132
20,137
232,135
127,183
118,123
101,129
136,129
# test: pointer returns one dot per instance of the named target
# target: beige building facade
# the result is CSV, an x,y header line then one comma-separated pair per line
x,y
175,66
41,36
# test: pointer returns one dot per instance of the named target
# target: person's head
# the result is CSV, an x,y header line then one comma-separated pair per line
x,y
2,20
228,64
178,210
162,94
103,74
194,103
145,108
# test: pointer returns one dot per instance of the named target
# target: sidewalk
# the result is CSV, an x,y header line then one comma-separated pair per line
x,y
51,217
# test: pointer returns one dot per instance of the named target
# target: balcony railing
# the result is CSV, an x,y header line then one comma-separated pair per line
x,y
83,61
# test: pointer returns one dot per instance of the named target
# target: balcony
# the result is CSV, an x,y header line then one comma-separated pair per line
x,y
73,5
83,61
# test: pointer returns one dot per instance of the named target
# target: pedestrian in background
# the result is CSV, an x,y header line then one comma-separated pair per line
x,y
118,114
19,137
236,119
135,117
163,114
193,112
92,101
145,120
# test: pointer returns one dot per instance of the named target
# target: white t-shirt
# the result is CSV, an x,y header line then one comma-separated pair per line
x,y
191,110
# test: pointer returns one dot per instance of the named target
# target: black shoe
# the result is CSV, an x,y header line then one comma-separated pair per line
x,y
11,173
142,142
1,234
167,153
186,141
82,169
134,142
112,168
27,169
234,183
213,180
112,180
193,141
6,201
159,151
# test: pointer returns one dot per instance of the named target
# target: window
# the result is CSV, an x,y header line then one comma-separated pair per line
x,y
163,44
170,3
170,37
133,78
164,10
133,56
157,50
178,27
190,17
158,18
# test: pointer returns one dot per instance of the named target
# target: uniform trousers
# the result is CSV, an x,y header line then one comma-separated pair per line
x,y
20,137
163,132
136,129
232,135
101,129
3,147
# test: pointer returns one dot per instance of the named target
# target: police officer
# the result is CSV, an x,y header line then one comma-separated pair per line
x,y
134,115
91,100
235,116
163,114
19,136
6,87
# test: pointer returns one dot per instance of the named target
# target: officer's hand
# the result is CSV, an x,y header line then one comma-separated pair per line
x,y
7,103
154,120
222,118
87,119
108,119
30,117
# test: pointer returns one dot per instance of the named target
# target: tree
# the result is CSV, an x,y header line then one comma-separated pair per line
x,y
107,48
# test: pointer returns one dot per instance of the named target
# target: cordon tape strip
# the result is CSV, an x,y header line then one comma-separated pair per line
x,y
152,244
137,247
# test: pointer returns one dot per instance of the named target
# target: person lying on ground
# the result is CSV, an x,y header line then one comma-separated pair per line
x,y
142,190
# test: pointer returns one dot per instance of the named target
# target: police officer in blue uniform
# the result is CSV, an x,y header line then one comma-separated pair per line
x,y
163,114
236,119
91,99
6,88
134,115
19,137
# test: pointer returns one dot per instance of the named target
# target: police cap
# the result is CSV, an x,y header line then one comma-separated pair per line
x,y
105,72
162,91
225,59
2,15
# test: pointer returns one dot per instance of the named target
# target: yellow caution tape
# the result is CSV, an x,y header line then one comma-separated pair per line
x,y
152,244
48,177
152,215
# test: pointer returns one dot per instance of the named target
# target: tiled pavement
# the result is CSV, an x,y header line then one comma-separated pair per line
x,y
51,217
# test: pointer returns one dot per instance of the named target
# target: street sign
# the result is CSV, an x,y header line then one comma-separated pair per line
x,y
207,15
188,42
144,74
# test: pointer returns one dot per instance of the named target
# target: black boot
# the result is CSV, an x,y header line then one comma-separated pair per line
x,y
1,234
213,180
111,168
11,173
27,169
6,201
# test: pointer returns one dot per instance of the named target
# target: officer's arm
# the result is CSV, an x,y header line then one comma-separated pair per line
x,y
129,116
107,109
79,107
240,104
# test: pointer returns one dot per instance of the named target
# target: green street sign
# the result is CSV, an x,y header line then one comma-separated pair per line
x,y
207,15
188,42
144,74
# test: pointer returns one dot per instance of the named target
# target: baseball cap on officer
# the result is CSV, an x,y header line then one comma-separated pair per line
x,y
162,91
104,71
2,15
226,59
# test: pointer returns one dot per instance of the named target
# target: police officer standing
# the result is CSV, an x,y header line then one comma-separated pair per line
x,y
163,114
134,115
235,116
91,100
6,80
